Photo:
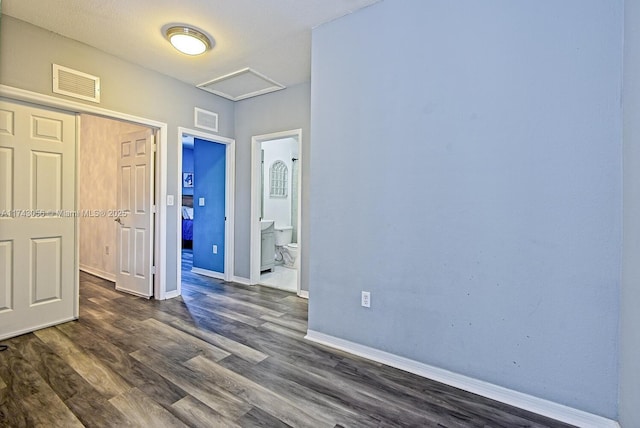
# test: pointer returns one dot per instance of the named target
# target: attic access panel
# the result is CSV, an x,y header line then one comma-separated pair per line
x,y
241,84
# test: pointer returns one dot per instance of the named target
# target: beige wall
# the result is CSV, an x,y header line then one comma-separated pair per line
x,y
98,191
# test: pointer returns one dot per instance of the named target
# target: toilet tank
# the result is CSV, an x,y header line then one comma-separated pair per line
x,y
283,235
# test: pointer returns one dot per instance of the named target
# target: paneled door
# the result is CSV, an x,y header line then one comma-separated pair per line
x,y
38,269
136,214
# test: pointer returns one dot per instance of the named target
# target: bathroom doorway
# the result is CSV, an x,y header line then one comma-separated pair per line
x,y
276,210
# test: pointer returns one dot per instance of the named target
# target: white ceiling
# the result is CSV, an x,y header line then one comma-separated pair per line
x,y
272,37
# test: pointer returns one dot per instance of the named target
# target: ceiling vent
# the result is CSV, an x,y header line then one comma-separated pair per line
x,y
205,119
76,84
241,84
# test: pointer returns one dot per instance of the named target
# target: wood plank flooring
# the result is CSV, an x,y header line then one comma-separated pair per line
x,y
222,355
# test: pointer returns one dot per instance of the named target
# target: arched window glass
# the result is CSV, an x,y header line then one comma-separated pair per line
x,y
278,173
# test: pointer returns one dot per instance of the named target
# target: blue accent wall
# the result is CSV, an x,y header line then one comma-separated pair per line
x,y
208,220
187,166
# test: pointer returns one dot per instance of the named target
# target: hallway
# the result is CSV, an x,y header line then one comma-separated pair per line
x,y
222,355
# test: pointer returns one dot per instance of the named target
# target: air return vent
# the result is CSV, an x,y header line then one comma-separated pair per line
x,y
242,84
76,84
206,119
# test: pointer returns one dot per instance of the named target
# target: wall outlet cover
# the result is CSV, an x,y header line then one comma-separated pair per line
x,y
366,299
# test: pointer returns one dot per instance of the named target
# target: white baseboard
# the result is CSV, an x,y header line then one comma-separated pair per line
x,y
207,272
304,294
241,280
171,294
99,273
514,398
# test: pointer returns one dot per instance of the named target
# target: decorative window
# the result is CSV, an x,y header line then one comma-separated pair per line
x,y
278,173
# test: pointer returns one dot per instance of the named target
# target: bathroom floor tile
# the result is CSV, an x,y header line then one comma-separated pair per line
x,y
282,278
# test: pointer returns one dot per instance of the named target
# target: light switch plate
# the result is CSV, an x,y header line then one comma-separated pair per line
x,y
170,200
201,202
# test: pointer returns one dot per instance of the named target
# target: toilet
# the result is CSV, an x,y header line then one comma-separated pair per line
x,y
290,255
283,235
286,251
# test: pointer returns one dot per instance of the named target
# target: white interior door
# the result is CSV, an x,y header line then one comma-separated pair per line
x,y
136,214
38,271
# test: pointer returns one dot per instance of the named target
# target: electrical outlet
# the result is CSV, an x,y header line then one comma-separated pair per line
x,y
215,249
201,202
366,299
106,250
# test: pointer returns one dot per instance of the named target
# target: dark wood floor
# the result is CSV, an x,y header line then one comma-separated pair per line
x,y
222,355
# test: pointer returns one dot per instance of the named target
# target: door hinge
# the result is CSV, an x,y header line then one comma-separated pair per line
x,y
153,270
155,147
153,209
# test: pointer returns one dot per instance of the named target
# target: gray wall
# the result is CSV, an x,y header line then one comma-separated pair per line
x,y
466,170
26,55
279,111
630,291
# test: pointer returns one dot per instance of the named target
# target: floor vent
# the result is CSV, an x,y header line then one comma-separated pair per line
x,y
76,84
205,119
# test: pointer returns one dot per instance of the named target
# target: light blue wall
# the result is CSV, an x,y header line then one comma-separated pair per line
x,y
187,166
466,170
630,292
208,220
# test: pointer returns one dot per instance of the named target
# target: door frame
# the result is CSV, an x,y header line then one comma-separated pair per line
x,y
160,128
254,259
229,209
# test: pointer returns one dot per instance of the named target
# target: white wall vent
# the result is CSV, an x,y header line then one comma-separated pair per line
x,y
205,119
76,84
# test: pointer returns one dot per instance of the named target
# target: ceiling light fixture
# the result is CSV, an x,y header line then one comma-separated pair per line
x,y
188,40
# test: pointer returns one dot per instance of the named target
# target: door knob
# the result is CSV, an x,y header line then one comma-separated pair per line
x,y
119,220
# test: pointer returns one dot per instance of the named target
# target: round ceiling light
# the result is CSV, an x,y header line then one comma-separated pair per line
x,y
188,40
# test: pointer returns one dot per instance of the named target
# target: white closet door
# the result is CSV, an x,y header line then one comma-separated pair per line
x,y
38,275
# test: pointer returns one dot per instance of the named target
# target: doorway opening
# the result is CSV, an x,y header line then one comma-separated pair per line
x,y
116,202
276,244
207,187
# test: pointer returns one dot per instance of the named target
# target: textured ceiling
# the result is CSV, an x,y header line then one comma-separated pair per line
x,y
272,37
